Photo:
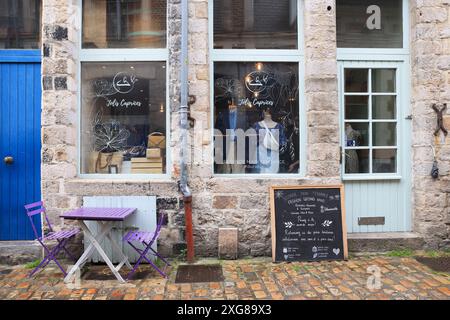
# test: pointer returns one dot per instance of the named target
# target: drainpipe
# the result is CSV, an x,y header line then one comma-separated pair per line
x,y
184,125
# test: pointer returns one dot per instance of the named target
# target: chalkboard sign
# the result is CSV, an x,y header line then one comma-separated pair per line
x,y
308,223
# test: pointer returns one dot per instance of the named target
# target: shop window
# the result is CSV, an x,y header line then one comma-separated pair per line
x,y
124,24
369,24
123,110
371,122
20,24
123,120
256,118
255,24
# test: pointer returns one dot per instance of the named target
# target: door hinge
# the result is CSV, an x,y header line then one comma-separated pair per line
x,y
410,117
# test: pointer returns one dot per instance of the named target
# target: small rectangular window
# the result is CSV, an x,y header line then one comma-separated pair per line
x,y
255,24
123,118
369,24
256,118
20,24
124,23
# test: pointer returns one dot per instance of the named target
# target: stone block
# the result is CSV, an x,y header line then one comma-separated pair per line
x,y
47,83
56,32
228,243
224,202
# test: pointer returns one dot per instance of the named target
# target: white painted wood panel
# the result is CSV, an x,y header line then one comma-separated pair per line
x,y
143,219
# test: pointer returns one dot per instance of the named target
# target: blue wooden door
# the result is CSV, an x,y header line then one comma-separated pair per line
x,y
20,139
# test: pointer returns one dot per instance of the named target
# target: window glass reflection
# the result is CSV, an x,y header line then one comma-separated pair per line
x,y
384,161
20,24
124,23
369,24
357,161
255,24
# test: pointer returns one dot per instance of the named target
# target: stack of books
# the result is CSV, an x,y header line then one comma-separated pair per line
x,y
153,164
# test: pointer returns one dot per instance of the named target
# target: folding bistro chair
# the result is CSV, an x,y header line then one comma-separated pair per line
x,y
146,239
61,237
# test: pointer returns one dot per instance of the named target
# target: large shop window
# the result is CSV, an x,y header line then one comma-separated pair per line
x,y
256,101
20,24
123,92
369,24
256,117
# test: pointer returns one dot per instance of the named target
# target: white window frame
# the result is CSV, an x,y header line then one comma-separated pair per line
x,y
123,55
263,55
389,58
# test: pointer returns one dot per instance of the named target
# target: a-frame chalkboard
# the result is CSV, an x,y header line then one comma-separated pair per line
x,y
308,223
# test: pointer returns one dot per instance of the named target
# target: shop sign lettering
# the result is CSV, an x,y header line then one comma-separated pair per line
x,y
115,103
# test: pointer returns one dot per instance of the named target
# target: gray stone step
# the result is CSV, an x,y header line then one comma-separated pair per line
x,y
19,252
385,241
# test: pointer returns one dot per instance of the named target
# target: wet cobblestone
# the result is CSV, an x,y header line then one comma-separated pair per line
x,y
401,278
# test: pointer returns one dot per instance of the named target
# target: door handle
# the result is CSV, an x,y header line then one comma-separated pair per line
x,y
8,160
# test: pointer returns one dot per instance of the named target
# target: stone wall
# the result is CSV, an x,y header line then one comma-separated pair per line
x,y
235,202
430,65
61,189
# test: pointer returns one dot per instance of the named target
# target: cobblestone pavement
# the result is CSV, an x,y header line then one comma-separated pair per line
x,y
401,278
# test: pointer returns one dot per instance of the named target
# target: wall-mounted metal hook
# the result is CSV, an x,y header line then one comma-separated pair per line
x,y
440,119
192,100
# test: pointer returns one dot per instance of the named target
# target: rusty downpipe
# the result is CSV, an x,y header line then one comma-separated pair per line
x,y
184,127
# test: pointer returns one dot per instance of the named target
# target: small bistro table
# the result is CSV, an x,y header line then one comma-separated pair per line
x,y
105,217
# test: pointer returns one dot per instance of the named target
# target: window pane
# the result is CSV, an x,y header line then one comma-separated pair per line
x,y
357,161
369,24
384,161
357,134
256,118
124,24
383,80
384,134
384,107
255,24
123,123
356,80
356,107
20,24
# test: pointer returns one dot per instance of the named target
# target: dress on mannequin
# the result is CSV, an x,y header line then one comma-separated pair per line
x,y
269,158
230,120
353,139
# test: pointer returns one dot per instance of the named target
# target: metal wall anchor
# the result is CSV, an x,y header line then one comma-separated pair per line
x,y
440,119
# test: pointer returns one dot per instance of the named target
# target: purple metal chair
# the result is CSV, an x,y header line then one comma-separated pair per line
x,y
61,237
146,239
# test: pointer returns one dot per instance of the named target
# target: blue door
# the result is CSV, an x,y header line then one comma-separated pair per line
x,y
20,141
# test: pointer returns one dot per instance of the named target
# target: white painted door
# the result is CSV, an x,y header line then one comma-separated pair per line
x,y
375,141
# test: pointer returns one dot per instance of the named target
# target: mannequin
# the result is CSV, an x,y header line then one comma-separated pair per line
x,y
271,133
353,139
230,120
